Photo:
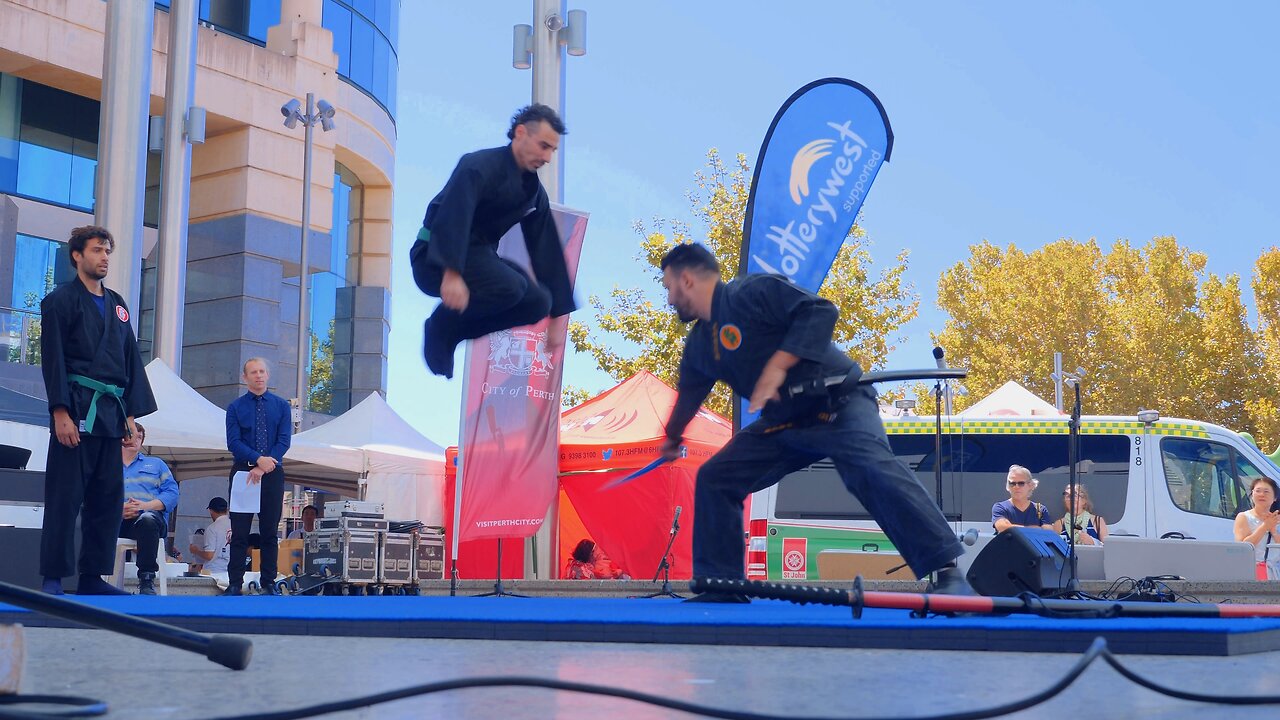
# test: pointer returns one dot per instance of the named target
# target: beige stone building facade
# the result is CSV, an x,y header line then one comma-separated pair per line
x,y
246,185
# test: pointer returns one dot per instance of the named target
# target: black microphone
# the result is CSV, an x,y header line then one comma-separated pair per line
x,y
970,536
675,520
937,356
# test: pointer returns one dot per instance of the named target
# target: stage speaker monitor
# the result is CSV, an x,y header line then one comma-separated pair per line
x,y
14,458
1021,560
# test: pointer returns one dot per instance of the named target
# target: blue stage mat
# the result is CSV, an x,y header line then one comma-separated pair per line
x,y
763,623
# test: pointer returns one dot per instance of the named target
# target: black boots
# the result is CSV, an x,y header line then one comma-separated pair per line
x,y
146,583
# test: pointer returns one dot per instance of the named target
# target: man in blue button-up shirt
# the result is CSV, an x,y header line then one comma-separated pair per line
x,y
150,494
258,435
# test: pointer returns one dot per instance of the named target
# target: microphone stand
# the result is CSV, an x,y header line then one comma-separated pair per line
x,y
664,567
1073,460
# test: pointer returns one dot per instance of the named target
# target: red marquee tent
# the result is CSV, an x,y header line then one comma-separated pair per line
x,y
614,434
609,436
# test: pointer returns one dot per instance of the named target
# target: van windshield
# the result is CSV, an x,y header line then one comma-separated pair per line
x,y
974,469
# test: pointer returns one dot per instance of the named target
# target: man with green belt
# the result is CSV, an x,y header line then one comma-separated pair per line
x,y
94,378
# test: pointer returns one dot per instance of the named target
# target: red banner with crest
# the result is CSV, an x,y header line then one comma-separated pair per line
x,y
511,412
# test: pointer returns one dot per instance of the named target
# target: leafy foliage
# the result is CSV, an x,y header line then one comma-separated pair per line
x,y
635,330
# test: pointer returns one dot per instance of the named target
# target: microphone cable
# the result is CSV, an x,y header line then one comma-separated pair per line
x,y
1097,649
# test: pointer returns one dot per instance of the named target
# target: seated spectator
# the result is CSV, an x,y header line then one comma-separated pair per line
x,y
1257,526
1019,510
213,549
309,515
588,562
150,494
1090,528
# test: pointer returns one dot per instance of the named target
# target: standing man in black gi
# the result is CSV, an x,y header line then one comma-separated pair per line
x,y
259,431
94,378
456,255
771,341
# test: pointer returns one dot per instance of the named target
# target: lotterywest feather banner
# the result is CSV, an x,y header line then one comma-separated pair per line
x,y
815,167
511,412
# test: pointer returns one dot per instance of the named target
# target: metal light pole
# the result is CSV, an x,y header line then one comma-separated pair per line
x,y
542,47
183,125
538,46
321,113
122,141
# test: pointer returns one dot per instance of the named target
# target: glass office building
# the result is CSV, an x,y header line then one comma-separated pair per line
x,y
245,199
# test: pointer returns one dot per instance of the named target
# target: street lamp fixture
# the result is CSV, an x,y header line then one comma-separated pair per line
x,y
317,113
571,33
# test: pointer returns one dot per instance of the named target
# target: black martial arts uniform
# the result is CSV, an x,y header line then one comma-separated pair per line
x,y
92,368
486,195
752,318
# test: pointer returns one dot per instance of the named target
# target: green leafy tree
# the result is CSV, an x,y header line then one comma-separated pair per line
x,y
320,398
635,330
1149,326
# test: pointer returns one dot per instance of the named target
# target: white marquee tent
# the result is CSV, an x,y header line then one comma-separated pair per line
x,y
1010,399
403,469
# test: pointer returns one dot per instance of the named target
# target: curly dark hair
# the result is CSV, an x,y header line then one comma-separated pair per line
x,y
691,256
82,235
534,113
582,553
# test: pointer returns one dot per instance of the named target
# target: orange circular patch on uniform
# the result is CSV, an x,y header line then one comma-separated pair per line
x,y
730,337
122,314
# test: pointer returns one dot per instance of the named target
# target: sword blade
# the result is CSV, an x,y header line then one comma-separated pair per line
x,y
622,481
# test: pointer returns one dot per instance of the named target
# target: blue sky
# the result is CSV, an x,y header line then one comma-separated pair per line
x,y
1019,123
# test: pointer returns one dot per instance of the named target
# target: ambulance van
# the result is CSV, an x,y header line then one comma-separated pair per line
x,y
1148,478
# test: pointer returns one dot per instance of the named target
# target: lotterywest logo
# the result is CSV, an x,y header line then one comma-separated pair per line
x,y
520,352
832,199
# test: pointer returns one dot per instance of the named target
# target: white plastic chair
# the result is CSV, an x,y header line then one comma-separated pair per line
x,y
122,568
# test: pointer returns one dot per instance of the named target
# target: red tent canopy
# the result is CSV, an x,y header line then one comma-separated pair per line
x,y
614,434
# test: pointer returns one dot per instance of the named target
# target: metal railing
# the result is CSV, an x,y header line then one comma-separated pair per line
x,y
19,336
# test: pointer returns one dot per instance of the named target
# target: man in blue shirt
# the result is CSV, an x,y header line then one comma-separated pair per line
x,y
150,494
1019,510
258,435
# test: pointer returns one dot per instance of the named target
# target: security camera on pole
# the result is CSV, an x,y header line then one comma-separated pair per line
x,y
322,113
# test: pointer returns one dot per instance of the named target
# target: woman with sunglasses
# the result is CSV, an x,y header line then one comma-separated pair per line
x,y
1019,510
1090,528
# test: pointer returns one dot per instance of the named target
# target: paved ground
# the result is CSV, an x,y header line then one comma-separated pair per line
x,y
140,680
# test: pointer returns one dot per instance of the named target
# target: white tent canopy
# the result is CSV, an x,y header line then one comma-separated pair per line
x,y
404,469
1010,399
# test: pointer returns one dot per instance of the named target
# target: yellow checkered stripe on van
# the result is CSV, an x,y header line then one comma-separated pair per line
x,y
1041,427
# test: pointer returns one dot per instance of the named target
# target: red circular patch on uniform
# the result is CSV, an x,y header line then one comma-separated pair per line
x,y
730,337
122,313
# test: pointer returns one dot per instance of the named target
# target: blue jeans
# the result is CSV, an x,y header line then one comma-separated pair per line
x,y
146,530
856,443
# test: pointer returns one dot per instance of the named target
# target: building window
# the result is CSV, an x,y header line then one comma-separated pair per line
x,y
246,19
344,240
48,143
38,264
365,37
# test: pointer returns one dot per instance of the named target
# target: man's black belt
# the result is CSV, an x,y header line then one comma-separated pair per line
x,y
845,383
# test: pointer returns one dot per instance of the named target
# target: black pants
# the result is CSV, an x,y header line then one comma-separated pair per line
x,y
85,481
503,296
857,445
268,522
146,530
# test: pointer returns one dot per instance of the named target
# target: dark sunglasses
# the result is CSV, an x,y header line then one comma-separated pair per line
x,y
1018,483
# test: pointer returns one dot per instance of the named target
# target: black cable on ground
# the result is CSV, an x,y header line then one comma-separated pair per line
x,y
79,707
88,707
1097,649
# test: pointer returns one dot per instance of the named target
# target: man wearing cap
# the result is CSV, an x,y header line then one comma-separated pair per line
x,y
150,494
213,551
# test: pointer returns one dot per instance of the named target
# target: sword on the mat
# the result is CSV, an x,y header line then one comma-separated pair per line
x,y
624,480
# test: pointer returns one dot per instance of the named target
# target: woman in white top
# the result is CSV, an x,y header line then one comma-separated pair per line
x,y
1257,525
